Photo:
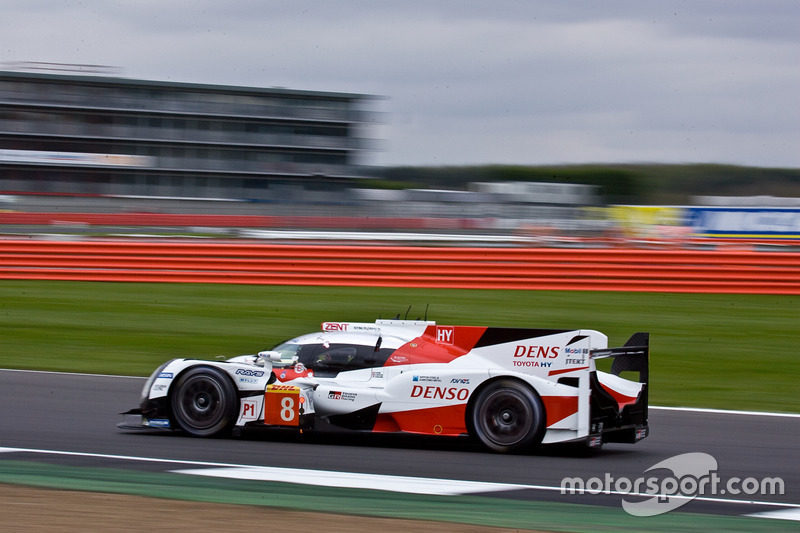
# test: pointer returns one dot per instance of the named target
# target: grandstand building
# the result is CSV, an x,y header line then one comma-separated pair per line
x,y
84,134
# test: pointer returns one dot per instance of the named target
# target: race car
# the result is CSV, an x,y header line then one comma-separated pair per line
x,y
511,389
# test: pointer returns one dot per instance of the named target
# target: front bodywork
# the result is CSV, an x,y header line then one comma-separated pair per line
x,y
420,377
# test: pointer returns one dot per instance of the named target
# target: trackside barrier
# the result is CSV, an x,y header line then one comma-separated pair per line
x,y
701,271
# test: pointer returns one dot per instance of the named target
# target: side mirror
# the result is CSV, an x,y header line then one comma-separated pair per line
x,y
269,355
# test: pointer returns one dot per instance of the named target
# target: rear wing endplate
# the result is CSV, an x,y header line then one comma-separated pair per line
x,y
633,357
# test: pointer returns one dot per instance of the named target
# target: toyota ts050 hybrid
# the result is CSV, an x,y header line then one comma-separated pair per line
x,y
509,388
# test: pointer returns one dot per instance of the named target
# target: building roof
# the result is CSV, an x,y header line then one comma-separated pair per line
x,y
185,86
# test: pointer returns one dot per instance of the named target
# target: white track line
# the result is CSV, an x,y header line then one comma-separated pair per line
x,y
783,514
67,373
354,480
723,411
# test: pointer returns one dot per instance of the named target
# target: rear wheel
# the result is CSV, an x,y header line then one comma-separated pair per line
x,y
204,402
508,416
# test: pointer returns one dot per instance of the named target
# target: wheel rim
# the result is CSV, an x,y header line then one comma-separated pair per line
x,y
201,402
506,417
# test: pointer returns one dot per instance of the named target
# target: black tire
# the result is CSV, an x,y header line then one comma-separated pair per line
x,y
204,402
507,416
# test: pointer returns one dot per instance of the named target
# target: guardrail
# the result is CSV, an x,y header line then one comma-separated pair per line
x,y
701,271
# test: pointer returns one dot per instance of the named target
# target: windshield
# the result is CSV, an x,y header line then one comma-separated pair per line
x,y
289,353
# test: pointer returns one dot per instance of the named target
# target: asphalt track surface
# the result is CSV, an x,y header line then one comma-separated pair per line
x,y
78,414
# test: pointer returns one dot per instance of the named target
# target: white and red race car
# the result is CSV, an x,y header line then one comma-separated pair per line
x,y
509,388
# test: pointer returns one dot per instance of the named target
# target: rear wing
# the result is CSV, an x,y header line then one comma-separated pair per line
x,y
633,357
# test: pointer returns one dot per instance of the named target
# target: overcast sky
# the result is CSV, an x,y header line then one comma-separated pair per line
x,y
473,82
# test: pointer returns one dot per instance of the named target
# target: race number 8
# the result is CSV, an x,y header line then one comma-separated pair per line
x,y
282,405
287,409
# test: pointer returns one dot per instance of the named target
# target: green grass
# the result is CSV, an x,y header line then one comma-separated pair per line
x,y
721,351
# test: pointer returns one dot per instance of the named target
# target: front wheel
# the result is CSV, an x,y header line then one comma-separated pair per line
x,y
507,416
204,402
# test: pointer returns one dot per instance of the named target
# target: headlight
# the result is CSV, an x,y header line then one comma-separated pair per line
x,y
151,379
